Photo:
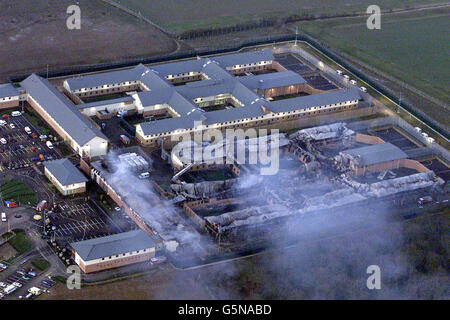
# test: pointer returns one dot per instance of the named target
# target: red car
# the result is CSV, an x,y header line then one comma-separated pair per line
x,y
5,116
34,135
11,204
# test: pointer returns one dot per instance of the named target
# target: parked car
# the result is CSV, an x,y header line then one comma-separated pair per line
x,y
34,135
16,113
49,145
3,123
3,141
424,200
5,116
21,272
12,126
10,289
42,137
158,260
144,175
27,130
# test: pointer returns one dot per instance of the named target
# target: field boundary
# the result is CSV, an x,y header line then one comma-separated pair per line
x,y
248,44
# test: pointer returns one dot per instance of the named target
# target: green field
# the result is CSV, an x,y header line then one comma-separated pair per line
x,y
412,47
40,264
19,241
15,190
179,16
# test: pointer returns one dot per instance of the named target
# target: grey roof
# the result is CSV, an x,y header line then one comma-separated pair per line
x,y
229,60
233,114
215,72
8,90
113,245
61,109
170,97
104,102
180,67
171,124
65,172
314,100
111,77
272,80
197,65
377,153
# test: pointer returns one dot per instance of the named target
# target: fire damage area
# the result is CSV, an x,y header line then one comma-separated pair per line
x,y
325,173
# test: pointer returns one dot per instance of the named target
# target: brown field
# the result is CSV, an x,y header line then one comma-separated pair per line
x,y
163,285
32,36
412,255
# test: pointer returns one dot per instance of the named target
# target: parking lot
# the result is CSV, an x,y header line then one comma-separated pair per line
x,y
22,280
22,149
75,221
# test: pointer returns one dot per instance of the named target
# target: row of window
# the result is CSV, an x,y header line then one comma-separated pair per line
x,y
236,123
125,254
9,98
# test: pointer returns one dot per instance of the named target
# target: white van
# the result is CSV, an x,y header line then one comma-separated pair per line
x,y
10,289
16,113
49,144
144,175
27,130
3,217
3,140
2,123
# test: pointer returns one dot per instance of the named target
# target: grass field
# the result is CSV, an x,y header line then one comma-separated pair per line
x,y
19,242
34,34
412,47
15,190
40,264
179,16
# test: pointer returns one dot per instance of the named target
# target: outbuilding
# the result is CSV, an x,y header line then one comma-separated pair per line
x,y
65,176
113,251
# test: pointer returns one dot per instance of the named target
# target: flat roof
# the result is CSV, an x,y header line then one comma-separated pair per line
x,y
113,245
272,80
8,90
61,109
314,100
377,153
65,172
104,102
